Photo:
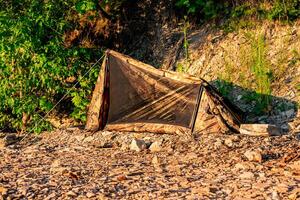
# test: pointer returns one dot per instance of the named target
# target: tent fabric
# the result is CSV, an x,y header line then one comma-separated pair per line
x,y
132,96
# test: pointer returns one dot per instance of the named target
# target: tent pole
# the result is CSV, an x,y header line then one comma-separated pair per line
x,y
197,107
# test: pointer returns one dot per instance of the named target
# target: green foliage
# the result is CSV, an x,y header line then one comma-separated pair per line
x,y
180,67
35,64
285,10
208,8
85,5
261,70
185,28
224,87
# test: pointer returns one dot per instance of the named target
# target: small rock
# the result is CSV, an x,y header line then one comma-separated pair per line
x,y
218,143
138,145
247,175
121,177
90,195
124,147
103,144
79,138
101,197
260,130
241,166
155,147
155,161
228,142
3,191
106,133
213,190
262,175
55,164
295,194
51,196
295,166
88,139
275,195
282,188
71,194
8,139
191,156
253,155
289,113
57,168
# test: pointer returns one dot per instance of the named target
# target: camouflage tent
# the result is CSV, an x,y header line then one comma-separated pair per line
x,y
132,96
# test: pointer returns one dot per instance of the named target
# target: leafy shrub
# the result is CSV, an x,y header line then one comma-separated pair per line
x,y
285,10
208,8
35,65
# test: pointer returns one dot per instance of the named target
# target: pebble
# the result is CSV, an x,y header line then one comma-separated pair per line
x,y
90,195
71,194
253,155
155,147
138,145
246,175
295,166
228,142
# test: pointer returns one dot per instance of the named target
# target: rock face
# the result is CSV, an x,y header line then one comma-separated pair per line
x,y
138,145
260,130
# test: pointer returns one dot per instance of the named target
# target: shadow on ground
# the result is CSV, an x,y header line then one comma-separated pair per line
x,y
258,108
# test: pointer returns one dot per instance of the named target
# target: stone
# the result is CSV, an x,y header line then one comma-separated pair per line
x,y
228,142
124,146
289,113
191,156
71,194
218,143
88,139
57,168
51,196
253,155
138,145
8,139
295,194
247,175
240,166
90,195
275,195
155,161
3,191
260,130
79,138
106,134
155,147
295,166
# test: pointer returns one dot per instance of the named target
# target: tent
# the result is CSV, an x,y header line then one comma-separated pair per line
x,y
131,96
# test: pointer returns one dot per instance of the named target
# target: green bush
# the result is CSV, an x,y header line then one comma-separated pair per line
x,y
285,10
36,67
207,8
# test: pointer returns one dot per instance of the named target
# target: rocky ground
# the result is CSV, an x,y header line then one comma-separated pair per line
x,y
74,164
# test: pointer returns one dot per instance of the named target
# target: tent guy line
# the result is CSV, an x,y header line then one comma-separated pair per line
x,y
46,115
